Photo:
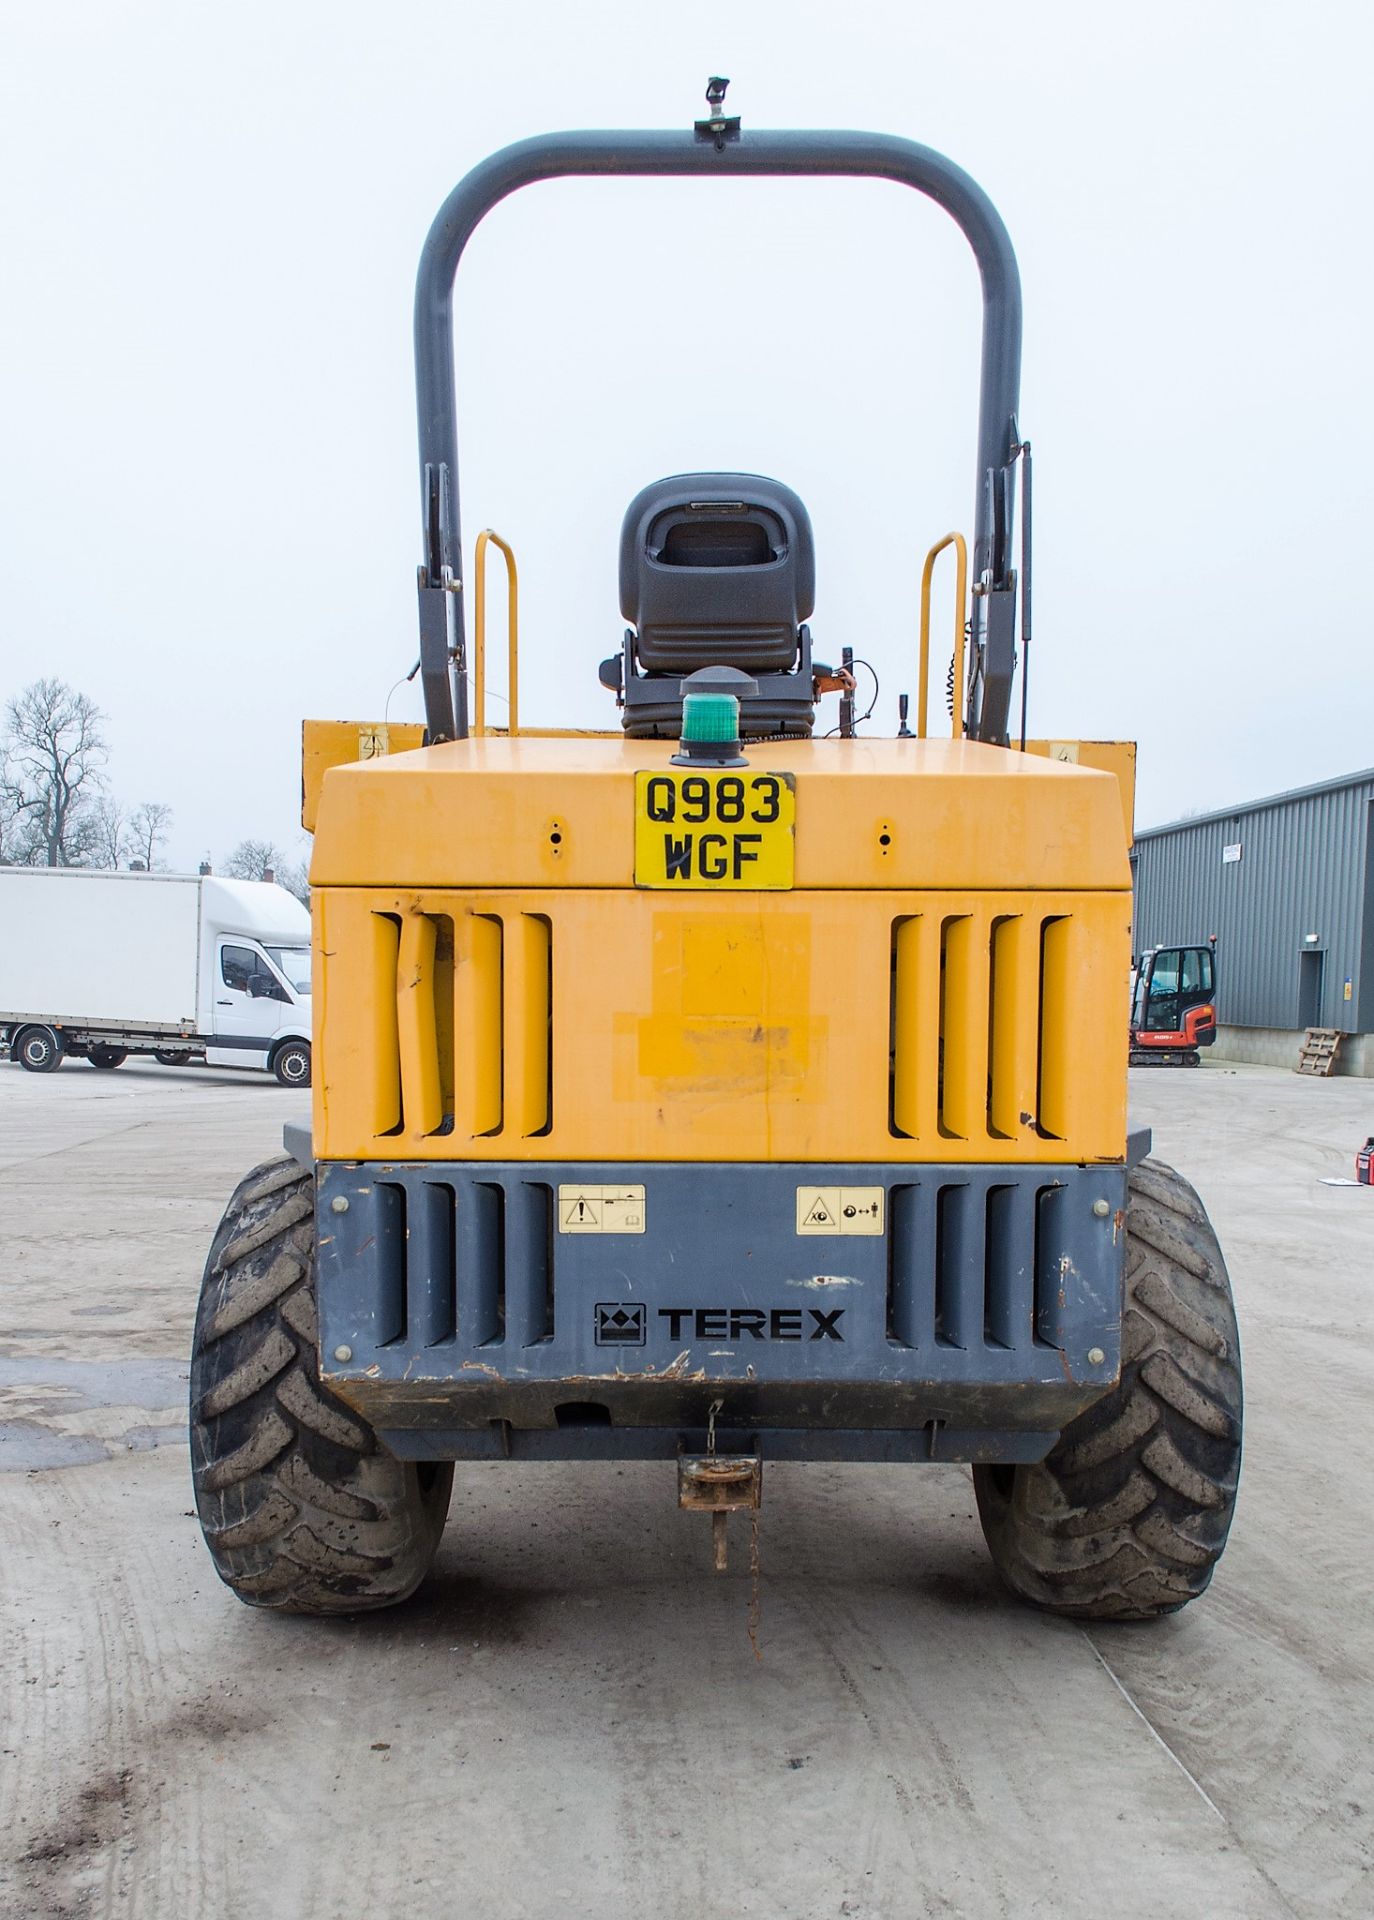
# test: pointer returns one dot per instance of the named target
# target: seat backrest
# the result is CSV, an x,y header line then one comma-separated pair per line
x,y
716,569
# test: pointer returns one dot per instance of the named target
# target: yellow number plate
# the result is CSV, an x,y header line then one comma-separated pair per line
x,y
733,830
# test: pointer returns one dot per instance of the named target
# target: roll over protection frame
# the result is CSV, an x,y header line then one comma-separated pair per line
x,y
692,155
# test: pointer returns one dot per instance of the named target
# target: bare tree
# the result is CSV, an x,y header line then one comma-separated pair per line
x,y
12,836
54,753
108,825
253,860
294,875
149,825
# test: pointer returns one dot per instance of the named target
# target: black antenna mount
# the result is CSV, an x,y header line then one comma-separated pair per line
x,y
718,128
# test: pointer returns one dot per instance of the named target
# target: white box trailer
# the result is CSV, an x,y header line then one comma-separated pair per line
x,y
97,966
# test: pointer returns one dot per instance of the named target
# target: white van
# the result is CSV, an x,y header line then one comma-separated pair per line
x,y
97,966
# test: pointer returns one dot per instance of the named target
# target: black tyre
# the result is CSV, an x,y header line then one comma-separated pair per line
x,y
291,1063
107,1056
39,1049
1128,1516
302,1508
170,1059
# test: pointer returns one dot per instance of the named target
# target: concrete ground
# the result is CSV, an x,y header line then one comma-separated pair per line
x,y
568,1719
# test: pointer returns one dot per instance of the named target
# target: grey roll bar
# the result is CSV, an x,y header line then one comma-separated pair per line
x,y
690,155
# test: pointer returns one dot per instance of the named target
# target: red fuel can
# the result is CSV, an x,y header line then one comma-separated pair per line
x,y
1364,1164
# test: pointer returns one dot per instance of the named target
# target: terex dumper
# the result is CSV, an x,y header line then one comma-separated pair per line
x,y
713,1089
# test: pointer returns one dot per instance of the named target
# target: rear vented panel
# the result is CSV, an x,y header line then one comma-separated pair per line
x,y
457,1039
972,1263
992,1277
976,1264
582,1025
993,1020
454,1264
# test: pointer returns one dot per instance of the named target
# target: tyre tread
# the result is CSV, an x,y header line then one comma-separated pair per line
x,y
1128,1516
301,1507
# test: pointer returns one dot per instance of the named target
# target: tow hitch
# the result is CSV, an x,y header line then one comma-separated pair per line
x,y
719,1484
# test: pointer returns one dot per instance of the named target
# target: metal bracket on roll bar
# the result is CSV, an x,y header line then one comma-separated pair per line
x,y
441,635
720,127
1023,450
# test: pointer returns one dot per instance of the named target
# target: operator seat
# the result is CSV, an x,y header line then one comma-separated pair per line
x,y
716,569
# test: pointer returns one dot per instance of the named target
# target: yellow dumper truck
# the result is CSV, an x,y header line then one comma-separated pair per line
x,y
732,1084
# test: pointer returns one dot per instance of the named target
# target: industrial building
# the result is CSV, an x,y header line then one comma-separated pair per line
x,y
1286,886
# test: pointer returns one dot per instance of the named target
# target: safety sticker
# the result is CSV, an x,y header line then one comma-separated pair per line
x,y
839,1209
601,1209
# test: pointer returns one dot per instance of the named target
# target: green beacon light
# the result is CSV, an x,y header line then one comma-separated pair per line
x,y
710,717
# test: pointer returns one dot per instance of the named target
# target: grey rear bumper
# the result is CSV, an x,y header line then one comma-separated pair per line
x,y
537,1310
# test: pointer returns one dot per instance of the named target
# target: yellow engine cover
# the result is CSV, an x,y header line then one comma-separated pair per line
x,y
945,981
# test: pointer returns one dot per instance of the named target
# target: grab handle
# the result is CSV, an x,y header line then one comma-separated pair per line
x,y
484,539
955,540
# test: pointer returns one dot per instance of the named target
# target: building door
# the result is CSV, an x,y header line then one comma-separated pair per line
x,y
1311,965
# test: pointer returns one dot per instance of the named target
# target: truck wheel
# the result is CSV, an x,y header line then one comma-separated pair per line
x,y
1128,1516
170,1059
302,1508
107,1056
39,1049
291,1063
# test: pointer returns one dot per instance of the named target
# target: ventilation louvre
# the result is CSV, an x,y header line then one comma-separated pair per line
x,y
480,1294
477,1269
390,1305
461,1038
569,1024
983,1039
965,1268
417,1024
429,1262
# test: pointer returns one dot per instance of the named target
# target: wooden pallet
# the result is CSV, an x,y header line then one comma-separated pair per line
x,y
1318,1051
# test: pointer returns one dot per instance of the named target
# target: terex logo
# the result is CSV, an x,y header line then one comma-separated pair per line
x,y
731,1323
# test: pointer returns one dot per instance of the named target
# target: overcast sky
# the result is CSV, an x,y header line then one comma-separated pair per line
x,y
209,225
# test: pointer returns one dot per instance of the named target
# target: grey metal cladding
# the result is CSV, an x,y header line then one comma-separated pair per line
x,y
1306,866
437,1276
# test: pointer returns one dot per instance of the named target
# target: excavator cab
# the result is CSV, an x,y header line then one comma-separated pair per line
x,y
1173,1006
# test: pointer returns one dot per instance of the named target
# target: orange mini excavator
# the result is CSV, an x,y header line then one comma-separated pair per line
x,y
1173,1006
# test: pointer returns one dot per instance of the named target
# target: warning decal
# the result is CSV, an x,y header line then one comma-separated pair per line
x,y
839,1209
601,1209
